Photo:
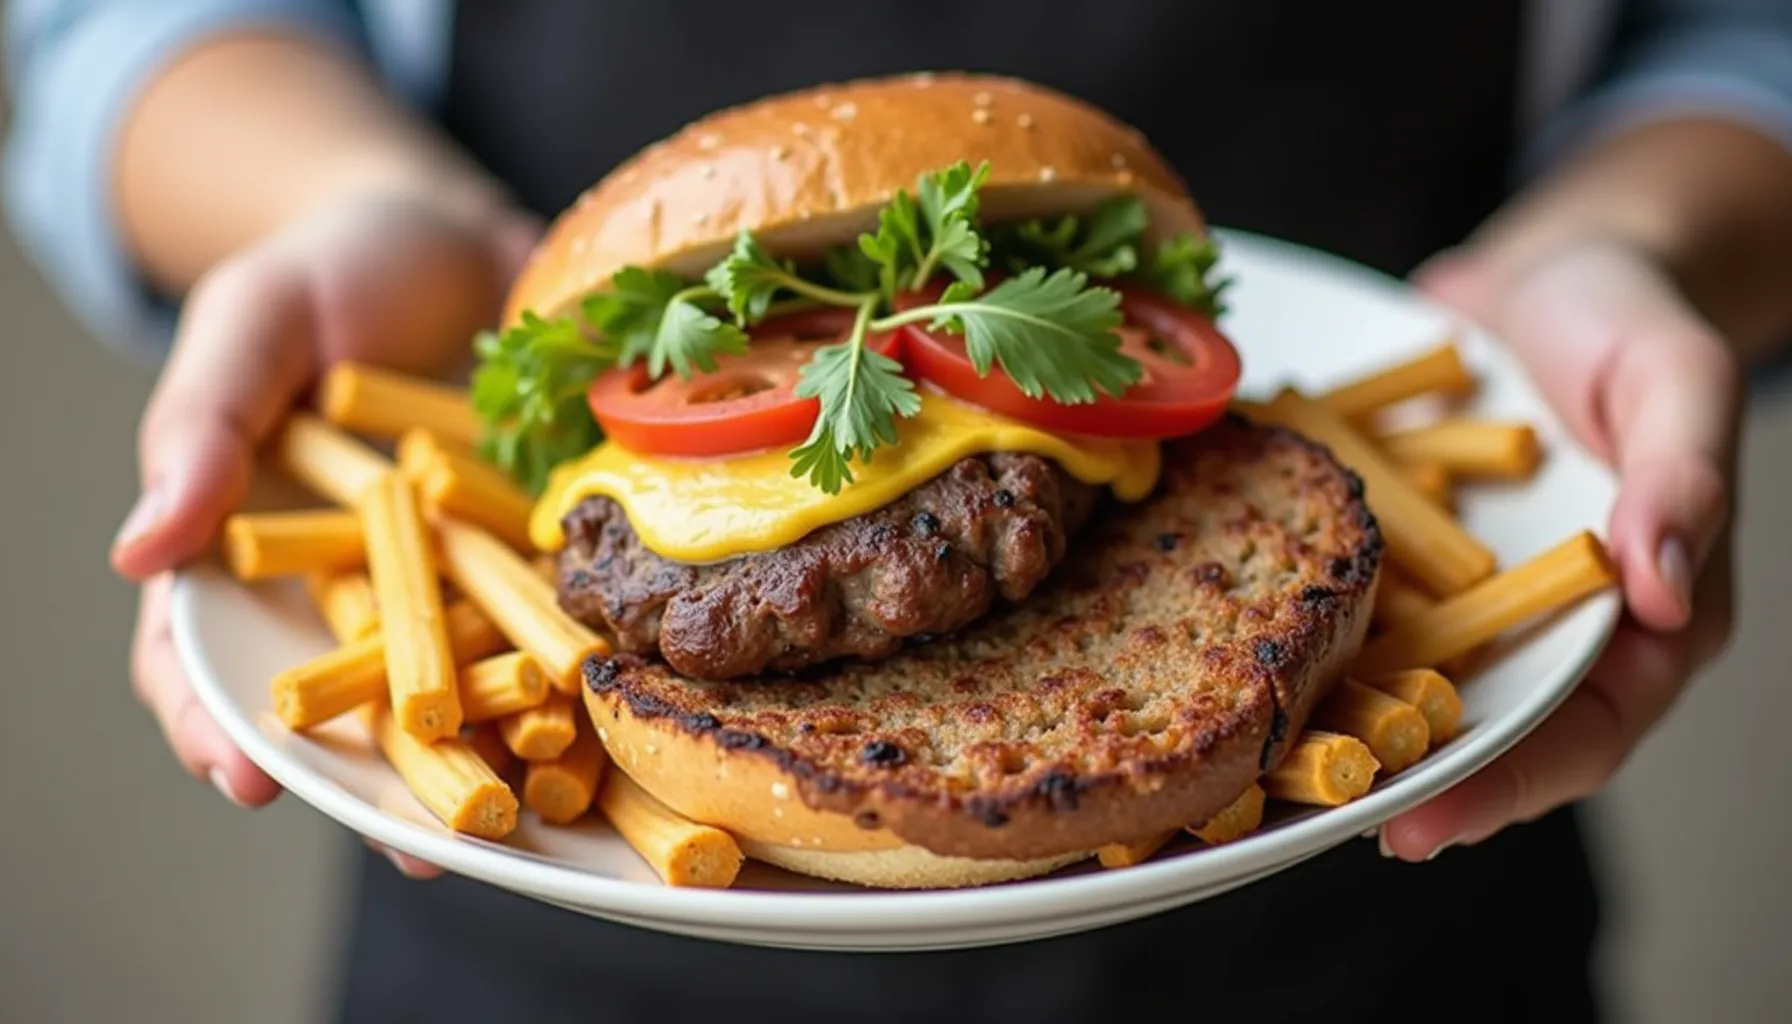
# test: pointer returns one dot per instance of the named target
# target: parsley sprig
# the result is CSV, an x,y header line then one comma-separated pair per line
x,y
1050,326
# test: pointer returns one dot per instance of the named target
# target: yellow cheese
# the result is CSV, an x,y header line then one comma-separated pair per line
x,y
704,510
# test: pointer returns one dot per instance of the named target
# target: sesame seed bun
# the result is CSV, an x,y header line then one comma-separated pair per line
x,y
808,169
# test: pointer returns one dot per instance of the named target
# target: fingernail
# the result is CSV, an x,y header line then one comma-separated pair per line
x,y
1675,566
1386,850
1441,847
1370,833
145,515
221,782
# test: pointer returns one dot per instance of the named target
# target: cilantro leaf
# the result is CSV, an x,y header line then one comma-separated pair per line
x,y
1051,335
629,312
862,392
690,338
916,237
1181,268
849,268
748,279
1105,246
949,205
529,389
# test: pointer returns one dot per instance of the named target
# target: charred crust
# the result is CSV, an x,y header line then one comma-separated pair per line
x,y
1277,654
882,752
1166,542
926,524
1004,498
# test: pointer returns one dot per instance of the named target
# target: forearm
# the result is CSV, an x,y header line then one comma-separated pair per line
x,y
1710,199
249,130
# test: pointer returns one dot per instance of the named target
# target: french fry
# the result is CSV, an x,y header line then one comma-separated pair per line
x,y
1396,599
1126,855
1571,570
543,732
1469,448
500,685
450,779
1421,537
1240,818
522,603
1323,768
354,674
1432,479
485,741
560,791
1438,370
420,672
262,545
346,602
680,851
1433,695
325,460
457,483
380,403
1395,731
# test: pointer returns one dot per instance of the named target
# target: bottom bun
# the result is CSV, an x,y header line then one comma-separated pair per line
x,y
904,867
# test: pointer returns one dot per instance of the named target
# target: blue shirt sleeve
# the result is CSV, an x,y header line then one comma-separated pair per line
x,y
1729,59
1720,58
73,69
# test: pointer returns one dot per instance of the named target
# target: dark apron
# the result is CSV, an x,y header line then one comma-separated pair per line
x,y
1380,131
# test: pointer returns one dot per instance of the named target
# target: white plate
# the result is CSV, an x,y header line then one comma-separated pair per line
x,y
1298,316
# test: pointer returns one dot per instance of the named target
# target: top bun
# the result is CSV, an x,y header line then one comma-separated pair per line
x,y
809,169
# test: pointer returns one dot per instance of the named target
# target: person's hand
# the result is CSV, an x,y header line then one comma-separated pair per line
x,y
1647,385
387,282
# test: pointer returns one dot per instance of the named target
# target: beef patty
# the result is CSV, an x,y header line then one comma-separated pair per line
x,y
991,526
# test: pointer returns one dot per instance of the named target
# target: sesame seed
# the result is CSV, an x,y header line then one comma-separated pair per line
x,y
922,80
707,170
781,791
1048,173
777,812
708,140
780,152
982,99
844,112
578,244
799,129
652,750
1124,177
1025,121
1119,160
980,116
821,101
604,735
700,218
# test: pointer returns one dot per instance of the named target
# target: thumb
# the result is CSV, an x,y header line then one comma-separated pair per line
x,y
242,353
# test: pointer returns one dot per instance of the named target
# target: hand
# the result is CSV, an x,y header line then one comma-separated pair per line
x,y
1648,386
388,282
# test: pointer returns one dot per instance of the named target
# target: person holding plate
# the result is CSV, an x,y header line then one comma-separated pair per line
x,y
245,191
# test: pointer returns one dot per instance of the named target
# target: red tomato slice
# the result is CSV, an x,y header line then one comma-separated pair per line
x,y
748,403
1191,372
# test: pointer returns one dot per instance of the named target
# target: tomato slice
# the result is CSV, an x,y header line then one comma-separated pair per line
x,y
1191,372
747,403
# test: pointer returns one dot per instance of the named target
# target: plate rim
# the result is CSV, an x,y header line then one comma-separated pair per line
x,y
905,911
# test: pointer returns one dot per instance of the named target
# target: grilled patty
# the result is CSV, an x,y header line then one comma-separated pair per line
x,y
1168,662
991,527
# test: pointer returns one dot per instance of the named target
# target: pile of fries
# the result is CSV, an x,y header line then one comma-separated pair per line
x,y
455,655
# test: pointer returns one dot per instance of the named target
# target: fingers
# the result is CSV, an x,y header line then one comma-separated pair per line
x,y
406,864
1644,383
1673,402
1575,752
200,745
240,357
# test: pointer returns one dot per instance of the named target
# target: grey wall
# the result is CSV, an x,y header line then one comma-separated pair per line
x,y
131,892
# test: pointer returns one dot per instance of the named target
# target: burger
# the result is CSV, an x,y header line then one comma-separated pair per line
x,y
886,430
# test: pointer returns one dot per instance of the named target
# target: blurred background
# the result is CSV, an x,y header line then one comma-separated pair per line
x,y
129,891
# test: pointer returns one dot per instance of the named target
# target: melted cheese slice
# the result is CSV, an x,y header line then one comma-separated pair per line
x,y
704,510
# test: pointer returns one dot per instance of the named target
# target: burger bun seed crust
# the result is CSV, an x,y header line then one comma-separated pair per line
x,y
808,170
